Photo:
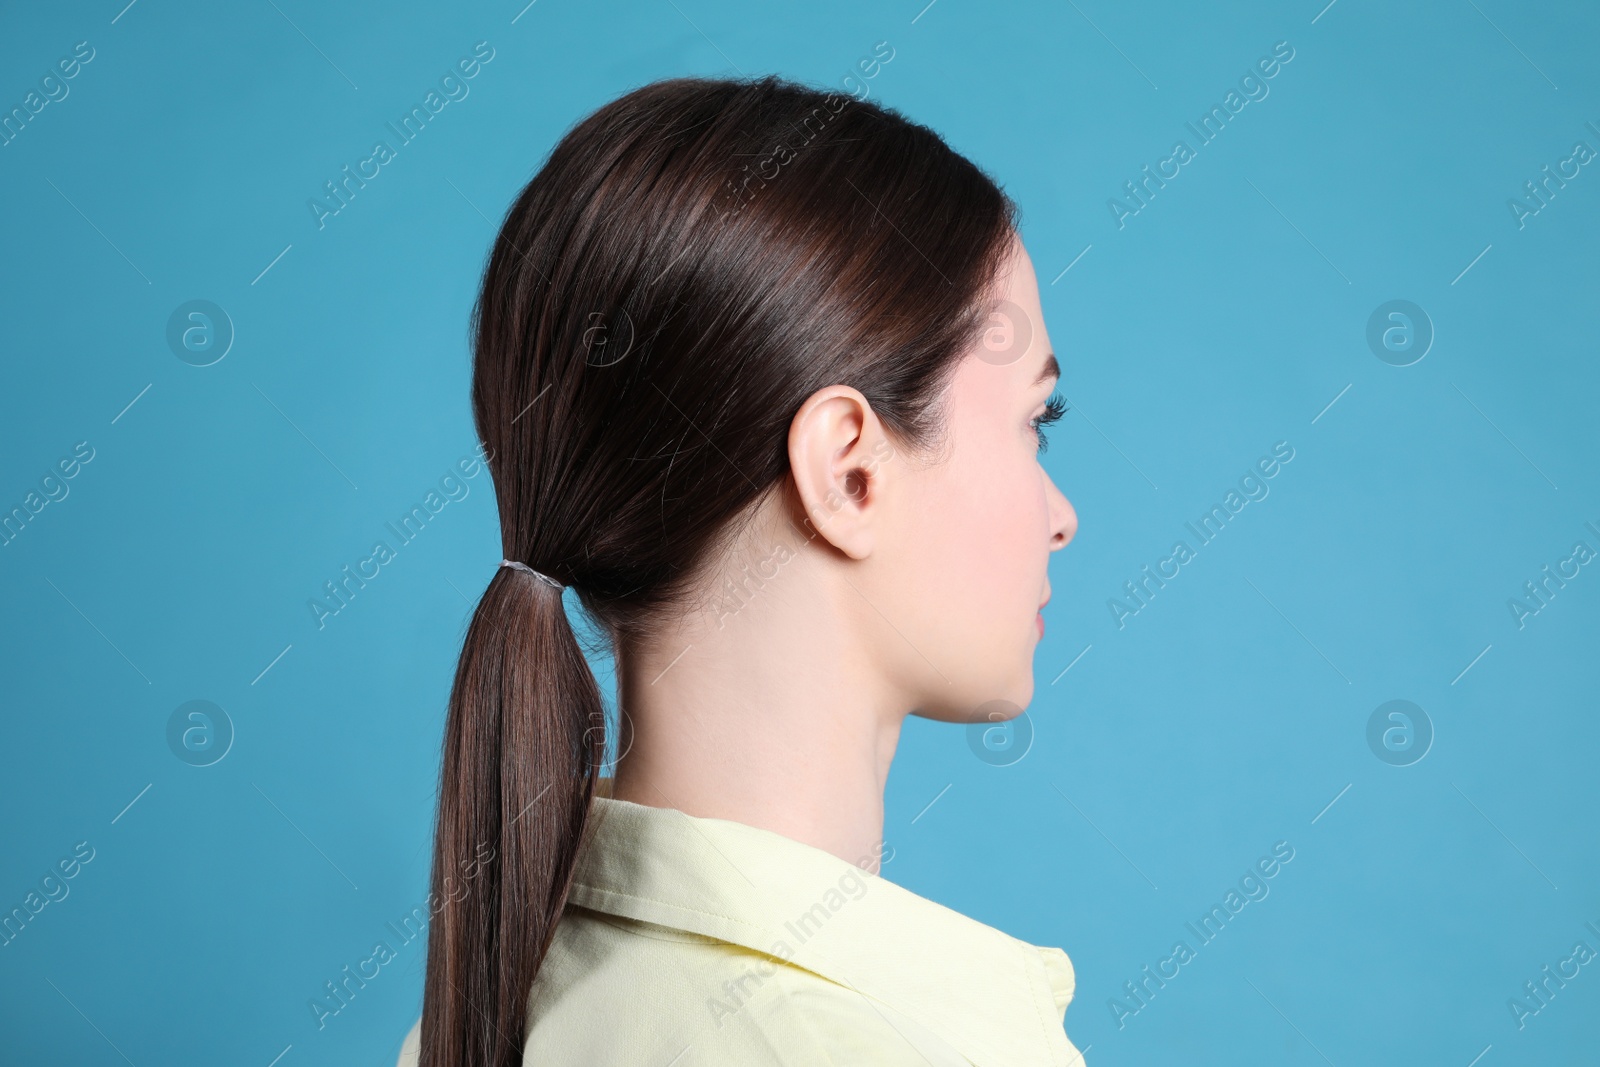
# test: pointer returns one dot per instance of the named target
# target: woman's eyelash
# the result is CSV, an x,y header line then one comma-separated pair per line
x,y
1054,408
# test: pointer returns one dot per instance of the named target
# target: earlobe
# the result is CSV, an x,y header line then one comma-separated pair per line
x,y
837,472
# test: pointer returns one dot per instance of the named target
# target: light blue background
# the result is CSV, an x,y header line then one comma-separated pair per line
x,y
1222,318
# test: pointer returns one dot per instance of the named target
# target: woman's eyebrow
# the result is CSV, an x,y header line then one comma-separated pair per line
x,y
1052,369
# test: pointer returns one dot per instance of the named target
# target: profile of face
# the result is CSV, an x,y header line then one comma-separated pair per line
x,y
953,551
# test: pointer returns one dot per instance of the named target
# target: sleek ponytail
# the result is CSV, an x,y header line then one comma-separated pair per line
x,y
519,776
692,262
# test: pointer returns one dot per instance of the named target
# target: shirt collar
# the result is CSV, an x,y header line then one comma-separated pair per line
x,y
999,1001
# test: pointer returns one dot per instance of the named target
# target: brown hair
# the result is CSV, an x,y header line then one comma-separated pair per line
x,y
692,262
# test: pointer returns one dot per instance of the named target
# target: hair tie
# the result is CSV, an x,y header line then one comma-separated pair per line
x,y
524,567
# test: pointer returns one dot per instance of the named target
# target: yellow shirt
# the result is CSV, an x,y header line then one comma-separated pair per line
x,y
691,942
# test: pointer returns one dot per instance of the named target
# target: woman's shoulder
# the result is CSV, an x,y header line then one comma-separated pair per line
x,y
810,1026
411,1046
616,990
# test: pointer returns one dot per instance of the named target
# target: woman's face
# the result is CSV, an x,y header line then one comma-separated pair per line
x,y
977,526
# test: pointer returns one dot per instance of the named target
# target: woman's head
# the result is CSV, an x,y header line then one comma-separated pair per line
x,y
959,542
723,312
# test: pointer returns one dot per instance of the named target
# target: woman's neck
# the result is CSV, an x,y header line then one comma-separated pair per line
x,y
778,718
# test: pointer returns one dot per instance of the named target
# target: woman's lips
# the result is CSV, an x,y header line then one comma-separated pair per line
x,y
1040,617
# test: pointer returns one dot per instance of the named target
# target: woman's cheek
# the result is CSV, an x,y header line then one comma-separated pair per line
x,y
1022,517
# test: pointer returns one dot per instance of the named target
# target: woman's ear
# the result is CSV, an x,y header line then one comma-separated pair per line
x,y
836,450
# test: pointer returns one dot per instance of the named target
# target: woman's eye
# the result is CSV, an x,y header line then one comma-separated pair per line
x,y
1053,410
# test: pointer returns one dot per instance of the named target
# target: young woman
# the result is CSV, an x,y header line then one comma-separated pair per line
x,y
762,377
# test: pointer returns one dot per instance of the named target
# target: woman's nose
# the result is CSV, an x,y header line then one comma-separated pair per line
x,y
1063,517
